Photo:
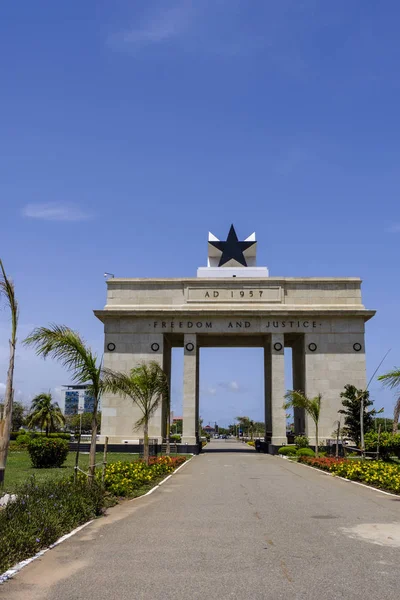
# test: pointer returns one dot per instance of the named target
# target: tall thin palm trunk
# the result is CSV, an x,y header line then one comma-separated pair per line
x,y
146,441
7,288
5,423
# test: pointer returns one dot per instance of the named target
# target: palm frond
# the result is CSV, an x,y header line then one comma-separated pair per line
x,y
146,384
67,346
296,399
391,379
7,290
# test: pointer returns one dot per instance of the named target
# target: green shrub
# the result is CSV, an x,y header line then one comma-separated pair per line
x,y
301,441
287,450
176,437
42,513
48,452
15,434
389,444
305,452
23,439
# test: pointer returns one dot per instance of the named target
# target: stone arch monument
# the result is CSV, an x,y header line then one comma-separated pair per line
x,y
232,302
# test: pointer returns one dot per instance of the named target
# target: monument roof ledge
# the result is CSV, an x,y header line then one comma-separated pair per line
x,y
247,280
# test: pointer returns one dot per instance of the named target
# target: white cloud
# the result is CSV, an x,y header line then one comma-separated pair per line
x,y
55,211
230,386
395,228
157,27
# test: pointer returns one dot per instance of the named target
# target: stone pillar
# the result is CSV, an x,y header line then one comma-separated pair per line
x,y
274,368
190,389
332,360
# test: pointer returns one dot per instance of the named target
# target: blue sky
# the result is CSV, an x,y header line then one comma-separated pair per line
x,y
129,129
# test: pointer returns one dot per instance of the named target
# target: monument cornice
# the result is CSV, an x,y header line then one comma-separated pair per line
x,y
178,312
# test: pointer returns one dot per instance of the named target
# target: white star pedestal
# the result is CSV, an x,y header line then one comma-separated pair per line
x,y
231,267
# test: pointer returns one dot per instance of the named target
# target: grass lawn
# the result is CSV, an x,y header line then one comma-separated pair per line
x,y
19,466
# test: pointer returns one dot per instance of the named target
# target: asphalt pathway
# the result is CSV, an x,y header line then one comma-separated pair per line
x,y
230,525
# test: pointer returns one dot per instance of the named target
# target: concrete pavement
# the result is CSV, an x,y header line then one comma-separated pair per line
x,y
228,525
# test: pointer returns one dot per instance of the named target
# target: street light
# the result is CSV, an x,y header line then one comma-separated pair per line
x,y
109,275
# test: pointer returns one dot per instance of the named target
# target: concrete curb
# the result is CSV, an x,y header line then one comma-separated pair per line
x,y
369,487
23,563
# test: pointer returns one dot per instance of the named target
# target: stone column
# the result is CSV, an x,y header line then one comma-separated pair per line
x,y
275,389
190,389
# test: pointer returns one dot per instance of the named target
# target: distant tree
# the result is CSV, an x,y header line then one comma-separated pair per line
x,y
18,416
176,426
7,291
45,413
312,406
392,380
72,422
351,399
386,424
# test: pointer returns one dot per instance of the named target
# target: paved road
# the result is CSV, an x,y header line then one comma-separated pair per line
x,y
230,525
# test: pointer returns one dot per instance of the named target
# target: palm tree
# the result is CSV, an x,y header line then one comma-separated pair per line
x,y
312,406
7,290
146,385
45,413
67,346
244,424
392,380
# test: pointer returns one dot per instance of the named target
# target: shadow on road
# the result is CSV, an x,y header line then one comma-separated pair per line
x,y
230,450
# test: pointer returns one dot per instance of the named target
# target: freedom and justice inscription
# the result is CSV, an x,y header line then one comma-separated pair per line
x,y
266,324
235,294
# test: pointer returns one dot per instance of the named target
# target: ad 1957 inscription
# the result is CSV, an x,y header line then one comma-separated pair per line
x,y
243,293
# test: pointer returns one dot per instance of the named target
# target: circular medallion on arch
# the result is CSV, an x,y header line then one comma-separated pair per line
x,y
189,347
278,346
312,347
357,347
155,347
111,347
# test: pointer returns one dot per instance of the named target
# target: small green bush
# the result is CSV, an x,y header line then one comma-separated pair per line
x,y
48,452
176,437
23,439
301,441
42,513
287,450
305,452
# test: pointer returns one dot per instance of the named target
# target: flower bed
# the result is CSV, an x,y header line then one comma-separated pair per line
x,y
126,478
376,473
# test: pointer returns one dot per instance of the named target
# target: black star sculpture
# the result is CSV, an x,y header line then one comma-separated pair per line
x,y
232,249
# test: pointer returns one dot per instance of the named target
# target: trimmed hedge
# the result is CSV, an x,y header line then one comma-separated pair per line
x,y
47,452
288,450
305,452
41,514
